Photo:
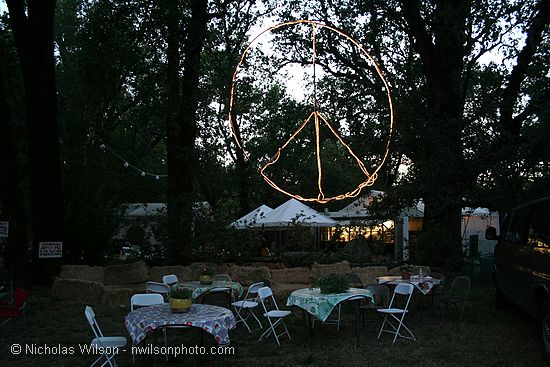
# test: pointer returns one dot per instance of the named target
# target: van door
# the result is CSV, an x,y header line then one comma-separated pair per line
x,y
538,243
510,254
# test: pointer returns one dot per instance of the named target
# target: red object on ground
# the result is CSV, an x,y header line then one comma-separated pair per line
x,y
17,309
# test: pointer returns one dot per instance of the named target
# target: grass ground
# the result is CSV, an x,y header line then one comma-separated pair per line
x,y
486,337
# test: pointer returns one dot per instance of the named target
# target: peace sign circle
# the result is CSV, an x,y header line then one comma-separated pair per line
x,y
317,118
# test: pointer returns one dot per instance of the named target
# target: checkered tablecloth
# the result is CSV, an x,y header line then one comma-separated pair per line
x,y
424,284
199,288
321,305
212,319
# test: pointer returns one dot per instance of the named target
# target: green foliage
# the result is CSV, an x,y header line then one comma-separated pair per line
x,y
332,283
178,291
208,271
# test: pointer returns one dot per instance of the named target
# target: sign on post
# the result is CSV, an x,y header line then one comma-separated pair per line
x,y
4,226
50,250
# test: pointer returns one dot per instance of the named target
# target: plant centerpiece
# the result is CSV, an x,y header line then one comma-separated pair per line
x,y
333,283
406,270
206,276
181,298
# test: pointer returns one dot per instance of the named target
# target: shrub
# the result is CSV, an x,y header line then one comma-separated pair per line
x,y
332,283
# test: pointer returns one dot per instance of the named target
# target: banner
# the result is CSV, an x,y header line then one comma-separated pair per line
x,y
49,250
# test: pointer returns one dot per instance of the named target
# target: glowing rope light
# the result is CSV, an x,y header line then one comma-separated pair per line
x,y
370,178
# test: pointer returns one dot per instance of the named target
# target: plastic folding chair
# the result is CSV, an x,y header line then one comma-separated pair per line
x,y
397,314
156,287
247,305
16,310
381,294
145,300
458,295
222,278
107,344
170,280
275,317
219,296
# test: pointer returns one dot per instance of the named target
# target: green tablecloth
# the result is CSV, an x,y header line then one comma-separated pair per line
x,y
321,305
199,288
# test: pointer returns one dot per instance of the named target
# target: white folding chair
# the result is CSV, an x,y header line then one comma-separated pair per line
x,y
108,344
247,305
397,314
156,287
170,280
145,300
222,278
265,294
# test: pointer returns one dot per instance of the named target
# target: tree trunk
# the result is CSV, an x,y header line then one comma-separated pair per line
x,y
12,207
441,164
33,33
182,132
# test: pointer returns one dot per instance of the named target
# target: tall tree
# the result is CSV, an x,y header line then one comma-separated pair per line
x,y
32,24
182,124
443,37
12,205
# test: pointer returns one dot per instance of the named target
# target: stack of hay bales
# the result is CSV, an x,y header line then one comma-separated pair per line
x,y
289,279
123,281
247,275
80,283
184,273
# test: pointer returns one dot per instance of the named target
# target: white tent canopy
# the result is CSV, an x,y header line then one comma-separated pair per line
x,y
250,219
294,212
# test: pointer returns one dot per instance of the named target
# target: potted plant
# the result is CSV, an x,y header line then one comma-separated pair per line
x,y
333,283
406,271
180,298
206,276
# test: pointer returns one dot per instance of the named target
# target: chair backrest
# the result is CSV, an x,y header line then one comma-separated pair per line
x,y
402,289
253,290
145,300
266,295
219,296
170,279
460,287
90,316
156,287
440,276
222,278
354,280
381,294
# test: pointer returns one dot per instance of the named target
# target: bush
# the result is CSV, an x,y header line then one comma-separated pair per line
x,y
332,283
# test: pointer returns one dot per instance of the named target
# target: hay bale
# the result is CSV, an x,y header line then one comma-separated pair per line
x,y
282,291
196,269
120,295
126,274
368,274
83,272
247,275
319,270
291,276
184,273
76,290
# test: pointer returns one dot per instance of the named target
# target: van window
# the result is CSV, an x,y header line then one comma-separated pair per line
x,y
539,228
516,233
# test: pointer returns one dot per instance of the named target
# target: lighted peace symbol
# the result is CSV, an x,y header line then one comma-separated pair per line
x,y
318,118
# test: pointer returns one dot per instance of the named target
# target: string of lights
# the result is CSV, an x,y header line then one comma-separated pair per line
x,y
318,117
127,164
